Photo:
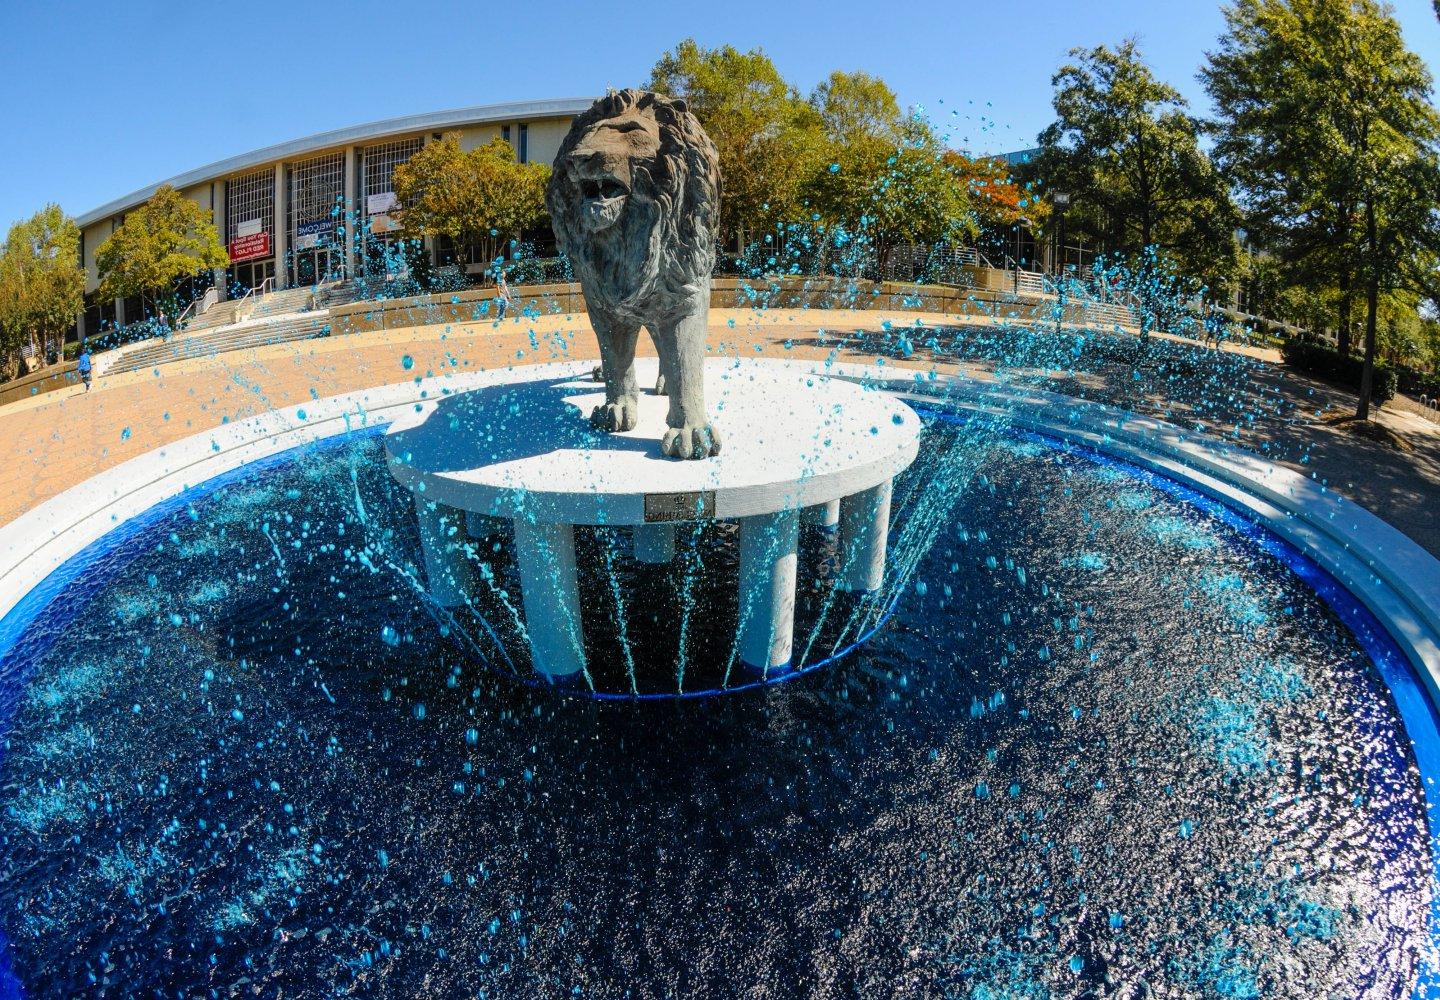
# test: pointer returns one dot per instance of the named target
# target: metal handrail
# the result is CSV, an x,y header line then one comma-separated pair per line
x,y
195,304
259,289
240,314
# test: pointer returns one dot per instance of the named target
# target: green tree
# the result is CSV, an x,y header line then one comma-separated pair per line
x,y
891,193
884,176
1126,148
482,197
767,136
161,243
1324,119
856,107
42,285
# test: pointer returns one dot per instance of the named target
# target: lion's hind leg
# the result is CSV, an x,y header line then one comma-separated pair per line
x,y
621,409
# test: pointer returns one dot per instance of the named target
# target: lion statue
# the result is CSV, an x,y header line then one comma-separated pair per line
x,y
634,198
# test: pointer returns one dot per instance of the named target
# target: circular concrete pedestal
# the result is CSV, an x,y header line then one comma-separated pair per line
x,y
524,451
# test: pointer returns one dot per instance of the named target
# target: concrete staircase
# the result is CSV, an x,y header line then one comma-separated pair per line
x,y
220,314
336,293
209,343
291,300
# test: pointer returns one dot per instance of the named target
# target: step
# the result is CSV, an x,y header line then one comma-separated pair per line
x,y
203,345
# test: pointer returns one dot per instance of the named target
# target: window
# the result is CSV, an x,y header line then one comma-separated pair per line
x,y
378,163
317,195
250,198
377,196
524,143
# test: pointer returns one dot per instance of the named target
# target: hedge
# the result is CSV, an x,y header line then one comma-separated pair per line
x,y
1343,369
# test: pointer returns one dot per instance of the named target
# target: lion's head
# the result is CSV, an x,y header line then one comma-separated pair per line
x,y
634,198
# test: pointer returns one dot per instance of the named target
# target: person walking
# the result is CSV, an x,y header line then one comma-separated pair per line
x,y
84,366
502,292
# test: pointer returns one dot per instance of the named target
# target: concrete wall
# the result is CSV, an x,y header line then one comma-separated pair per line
x,y
94,236
542,143
477,304
474,138
545,139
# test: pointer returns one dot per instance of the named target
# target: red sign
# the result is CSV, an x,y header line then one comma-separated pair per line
x,y
249,247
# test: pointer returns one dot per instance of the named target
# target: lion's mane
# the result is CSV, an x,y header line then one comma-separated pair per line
x,y
662,251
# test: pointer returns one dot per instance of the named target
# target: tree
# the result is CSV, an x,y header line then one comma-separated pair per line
x,y
161,243
884,176
1125,147
1000,201
767,136
483,196
1325,119
890,192
854,107
42,286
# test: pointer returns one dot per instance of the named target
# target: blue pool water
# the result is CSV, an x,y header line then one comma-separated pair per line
x,y
1110,735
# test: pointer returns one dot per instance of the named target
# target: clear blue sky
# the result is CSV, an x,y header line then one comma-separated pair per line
x,y
106,97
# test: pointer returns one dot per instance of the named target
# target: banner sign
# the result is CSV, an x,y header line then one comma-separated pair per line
x,y
249,227
249,247
379,204
315,227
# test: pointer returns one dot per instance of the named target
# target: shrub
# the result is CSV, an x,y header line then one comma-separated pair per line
x,y
1418,383
145,329
1313,358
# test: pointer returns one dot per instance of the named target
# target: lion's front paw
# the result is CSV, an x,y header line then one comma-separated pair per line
x,y
691,441
617,416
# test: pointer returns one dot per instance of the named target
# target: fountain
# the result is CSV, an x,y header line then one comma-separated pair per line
x,y
827,448
1108,706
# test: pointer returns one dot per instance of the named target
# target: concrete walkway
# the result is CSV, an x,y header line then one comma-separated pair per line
x,y
58,439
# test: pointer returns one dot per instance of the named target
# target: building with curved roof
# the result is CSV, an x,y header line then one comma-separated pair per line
x,y
318,208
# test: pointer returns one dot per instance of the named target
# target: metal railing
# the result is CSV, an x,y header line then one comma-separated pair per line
x,y
198,306
260,289
252,297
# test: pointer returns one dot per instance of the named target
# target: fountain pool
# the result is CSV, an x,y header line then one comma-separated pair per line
x,y
1112,732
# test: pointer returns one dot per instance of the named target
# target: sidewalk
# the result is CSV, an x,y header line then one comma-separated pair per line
x,y
60,438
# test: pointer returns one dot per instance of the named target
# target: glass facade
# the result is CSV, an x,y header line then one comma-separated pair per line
x,y
377,198
315,216
250,211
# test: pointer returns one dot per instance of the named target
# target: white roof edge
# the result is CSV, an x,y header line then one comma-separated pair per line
x,y
483,114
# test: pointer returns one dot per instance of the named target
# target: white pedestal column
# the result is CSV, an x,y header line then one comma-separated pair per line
x,y
864,532
449,575
546,554
479,525
654,543
825,516
768,554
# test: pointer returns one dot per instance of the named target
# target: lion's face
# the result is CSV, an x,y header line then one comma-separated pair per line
x,y
604,165
635,199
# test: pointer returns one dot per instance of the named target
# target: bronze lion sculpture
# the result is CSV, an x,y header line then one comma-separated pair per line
x,y
635,198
